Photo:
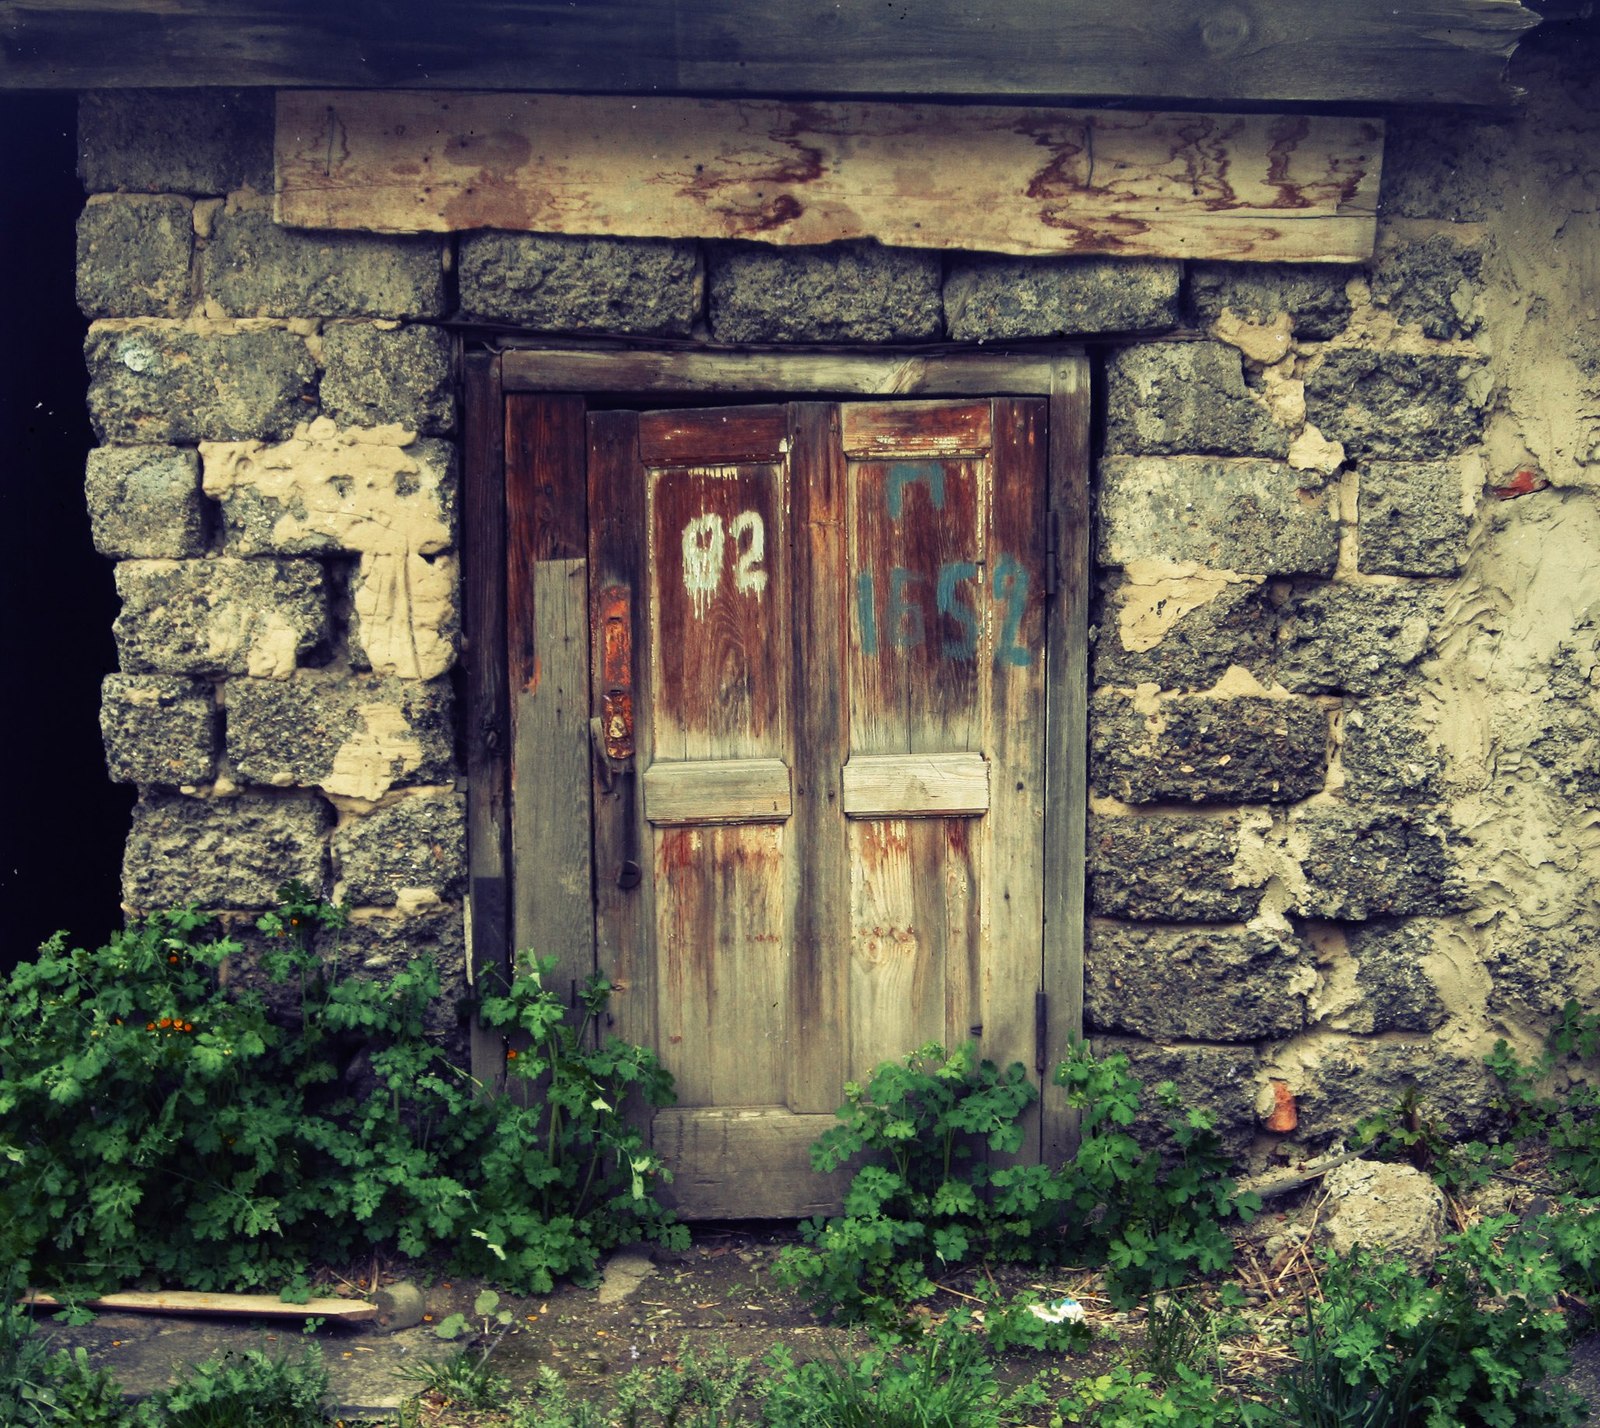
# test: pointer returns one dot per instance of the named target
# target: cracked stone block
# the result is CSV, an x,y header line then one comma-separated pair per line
x,y
219,616
1356,639
1313,294
253,267
1435,285
221,852
145,502
988,298
133,256
1216,984
1251,516
1184,631
163,382
355,736
846,292
377,377
1398,406
408,852
1164,868
1207,750
1386,753
647,287
1186,398
1364,863
208,141
158,729
1397,991
1410,519
1343,1080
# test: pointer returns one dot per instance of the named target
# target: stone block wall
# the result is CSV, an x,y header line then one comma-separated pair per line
x,y
1344,709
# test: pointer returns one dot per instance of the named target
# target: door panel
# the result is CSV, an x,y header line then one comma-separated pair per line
x,y
837,670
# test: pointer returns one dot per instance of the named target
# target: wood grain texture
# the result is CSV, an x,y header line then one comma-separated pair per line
x,y
712,436
745,1163
751,373
624,917
915,785
487,740
1425,51
717,791
1023,180
1066,742
215,1306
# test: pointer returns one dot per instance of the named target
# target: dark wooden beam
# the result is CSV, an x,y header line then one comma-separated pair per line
x,y
1361,52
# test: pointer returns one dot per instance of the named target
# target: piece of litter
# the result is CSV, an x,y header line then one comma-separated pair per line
x,y
1063,1311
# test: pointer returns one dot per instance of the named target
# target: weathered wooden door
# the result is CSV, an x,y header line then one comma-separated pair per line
x,y
818,660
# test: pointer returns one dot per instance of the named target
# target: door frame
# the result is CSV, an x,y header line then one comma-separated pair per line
x,y
527,701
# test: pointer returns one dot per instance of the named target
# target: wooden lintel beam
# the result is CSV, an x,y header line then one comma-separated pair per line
x,y
1361,52
1017,179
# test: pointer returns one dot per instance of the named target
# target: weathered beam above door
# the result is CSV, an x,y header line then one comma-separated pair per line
x,y
1024,180
1227,51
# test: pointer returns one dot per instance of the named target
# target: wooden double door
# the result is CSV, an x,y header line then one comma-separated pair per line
x,y
812,643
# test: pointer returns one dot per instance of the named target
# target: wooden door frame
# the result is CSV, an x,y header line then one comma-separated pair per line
x,y
503,693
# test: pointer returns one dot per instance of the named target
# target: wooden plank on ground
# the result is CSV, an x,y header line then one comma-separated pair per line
x,y
1356,51
215,1306
1026,180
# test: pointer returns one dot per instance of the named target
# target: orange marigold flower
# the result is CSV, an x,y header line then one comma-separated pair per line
x,y
149,1026
173,957
511,1055
166,1021
188,1026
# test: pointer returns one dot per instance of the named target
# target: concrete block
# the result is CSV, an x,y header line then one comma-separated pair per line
x,y
407,853
1313,294
988,298
153,381
1196,749
1339,1081
1386,753
222,852
1186,398
1220,984
377,377
255,617
1398,406
1183,629
159,729
1435,285
355,736
1244,515
1356,639
133,256
1219,1080
208,141
641,286
145,503
1410,518
1363,863
1397,991
847,292
1170,869
252,267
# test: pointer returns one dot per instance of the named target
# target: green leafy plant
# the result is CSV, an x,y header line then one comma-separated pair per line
x,y
252,1389
466,1377
303,1122
1135,1398
1555,1099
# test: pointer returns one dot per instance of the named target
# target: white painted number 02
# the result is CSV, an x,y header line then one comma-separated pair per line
x,y
705,556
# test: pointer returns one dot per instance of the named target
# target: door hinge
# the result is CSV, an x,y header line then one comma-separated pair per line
x,y
1041,1032
1052,553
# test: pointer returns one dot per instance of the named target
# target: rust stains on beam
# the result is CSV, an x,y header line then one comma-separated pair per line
x,y
1023,180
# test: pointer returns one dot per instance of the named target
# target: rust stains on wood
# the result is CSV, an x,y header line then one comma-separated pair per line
x,y
987,177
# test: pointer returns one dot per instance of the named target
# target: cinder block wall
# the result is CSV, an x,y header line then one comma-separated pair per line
x,y
1343,745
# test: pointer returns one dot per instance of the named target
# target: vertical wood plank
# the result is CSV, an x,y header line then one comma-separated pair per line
x,y
624,917
547,659
1012,879
820,921
1066,739
486,734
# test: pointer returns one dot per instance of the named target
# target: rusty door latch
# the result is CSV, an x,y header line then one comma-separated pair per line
x,y
612,729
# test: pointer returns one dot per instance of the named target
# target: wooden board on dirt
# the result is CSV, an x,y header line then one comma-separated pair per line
x,y
215,1306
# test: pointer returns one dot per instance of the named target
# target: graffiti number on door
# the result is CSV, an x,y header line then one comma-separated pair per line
x,y
708,545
